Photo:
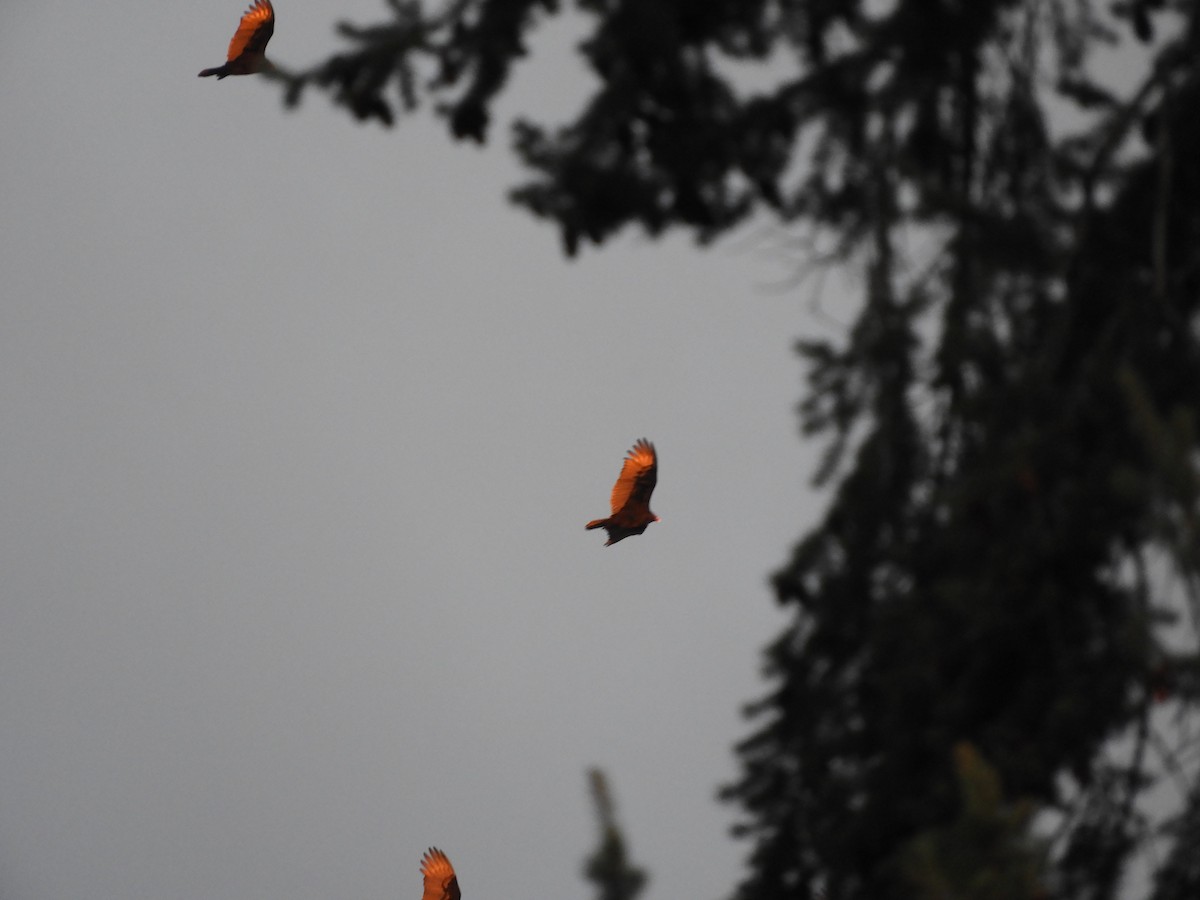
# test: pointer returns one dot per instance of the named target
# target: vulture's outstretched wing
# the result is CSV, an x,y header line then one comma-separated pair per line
x,y
255,29
440,881
638,476
247,50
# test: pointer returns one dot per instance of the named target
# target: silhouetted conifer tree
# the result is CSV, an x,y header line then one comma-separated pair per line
x,y
1011,414
609,867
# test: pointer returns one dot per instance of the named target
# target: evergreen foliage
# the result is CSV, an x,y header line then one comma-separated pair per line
x,y
1011,417
609,867
985,853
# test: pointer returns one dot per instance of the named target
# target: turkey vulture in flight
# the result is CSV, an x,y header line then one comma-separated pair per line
x,y
631,495
249,45
440,881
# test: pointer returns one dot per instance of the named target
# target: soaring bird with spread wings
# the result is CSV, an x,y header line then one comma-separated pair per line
x,y
631,495
440,881
247,50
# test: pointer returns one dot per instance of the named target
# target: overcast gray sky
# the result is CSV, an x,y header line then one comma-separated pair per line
x,y
301,426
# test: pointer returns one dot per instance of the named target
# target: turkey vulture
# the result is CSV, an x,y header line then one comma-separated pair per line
x,y
249,45
440,881
631,495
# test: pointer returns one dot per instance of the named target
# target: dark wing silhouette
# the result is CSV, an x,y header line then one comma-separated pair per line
x,y
247,49
440,881
631,495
